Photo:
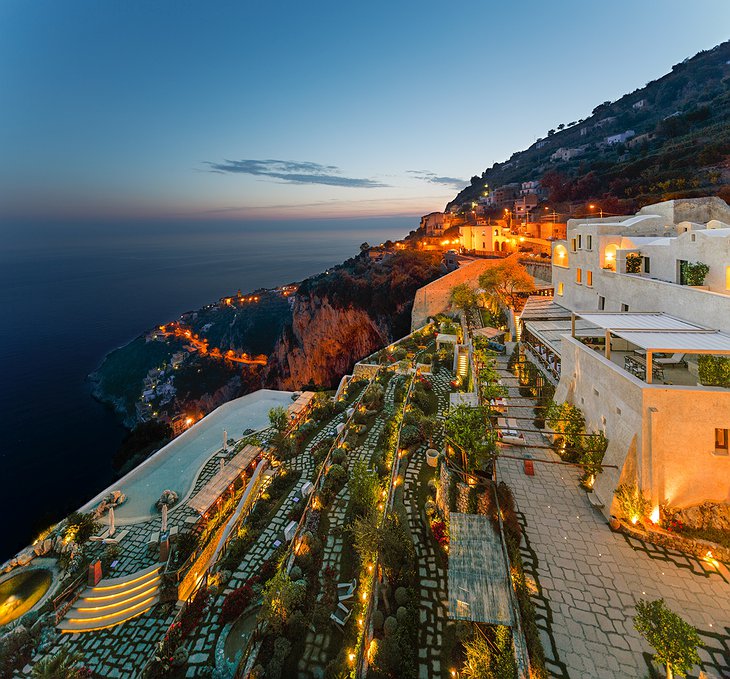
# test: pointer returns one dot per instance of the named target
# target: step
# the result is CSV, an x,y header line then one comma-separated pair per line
x,y
100,598
81,625
110,584
85,608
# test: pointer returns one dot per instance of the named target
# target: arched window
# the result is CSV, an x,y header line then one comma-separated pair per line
x,y
560,255
609,257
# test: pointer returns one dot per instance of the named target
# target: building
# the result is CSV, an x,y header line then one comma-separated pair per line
x,y
524,205
619,138
486,239
639,105
642,352
641,139
504,196
566,154
435,223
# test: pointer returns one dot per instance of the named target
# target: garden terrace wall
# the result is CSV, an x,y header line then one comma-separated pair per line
x,y
688,545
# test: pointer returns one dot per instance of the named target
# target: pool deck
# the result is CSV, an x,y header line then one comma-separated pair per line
x,y
177,465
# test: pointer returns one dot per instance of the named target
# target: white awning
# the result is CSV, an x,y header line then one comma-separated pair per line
x,y
627,320
702,342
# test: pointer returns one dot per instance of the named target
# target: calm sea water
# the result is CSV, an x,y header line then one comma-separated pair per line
x,y
71,293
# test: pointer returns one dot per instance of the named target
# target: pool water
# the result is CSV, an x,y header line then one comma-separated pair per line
x,y
176,466
239,634
19,593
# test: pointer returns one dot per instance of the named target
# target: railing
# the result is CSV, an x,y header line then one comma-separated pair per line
x,y
73,590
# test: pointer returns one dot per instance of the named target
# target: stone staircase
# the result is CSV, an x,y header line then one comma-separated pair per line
x,y
113,601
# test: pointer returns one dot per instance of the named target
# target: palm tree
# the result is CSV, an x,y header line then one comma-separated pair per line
x,y
62,665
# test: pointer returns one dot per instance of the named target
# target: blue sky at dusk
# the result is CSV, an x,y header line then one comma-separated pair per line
x,y
182,109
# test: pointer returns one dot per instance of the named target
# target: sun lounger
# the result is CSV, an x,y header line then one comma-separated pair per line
x,y
674,359
101,537
154,539
346,590
116,538
341,615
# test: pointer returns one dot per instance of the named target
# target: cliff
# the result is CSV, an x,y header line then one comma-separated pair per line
x,y
322,344
308,334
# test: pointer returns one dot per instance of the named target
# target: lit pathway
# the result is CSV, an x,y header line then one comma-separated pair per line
x,y
590,578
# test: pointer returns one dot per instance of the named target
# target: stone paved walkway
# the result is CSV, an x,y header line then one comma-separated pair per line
x,y
589,578
432,577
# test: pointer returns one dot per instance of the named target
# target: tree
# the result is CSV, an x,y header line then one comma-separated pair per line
x,y
279,418
397,553
280,597
62,665
364,247
507,280
674,640
366,536
467,428
463,297
364,489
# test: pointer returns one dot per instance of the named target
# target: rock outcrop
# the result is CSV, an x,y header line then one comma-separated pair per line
x,y
322,344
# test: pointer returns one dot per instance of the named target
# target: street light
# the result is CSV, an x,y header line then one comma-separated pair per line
x,y
593,207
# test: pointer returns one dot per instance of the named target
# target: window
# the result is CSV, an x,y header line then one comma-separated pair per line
x,y
484,245
589,242
589,278
580,239
560,289
624,307
721,447
578,275
727,278
693,237
572,244
601,303
647,265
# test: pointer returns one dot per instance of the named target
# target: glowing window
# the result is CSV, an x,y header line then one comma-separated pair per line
x,y
589,278
560,289
578,275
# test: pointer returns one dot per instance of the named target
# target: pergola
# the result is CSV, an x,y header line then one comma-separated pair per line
x,y
208,495
478,579
655,332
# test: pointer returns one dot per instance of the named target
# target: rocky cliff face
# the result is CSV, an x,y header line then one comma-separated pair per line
x,y
322,343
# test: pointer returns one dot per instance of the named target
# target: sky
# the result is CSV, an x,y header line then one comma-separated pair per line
x,y
204,110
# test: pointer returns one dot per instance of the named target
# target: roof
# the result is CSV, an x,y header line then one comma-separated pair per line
x,y
204,499
478,578
551,333
489,333
543,308
303,400
443,337
656,331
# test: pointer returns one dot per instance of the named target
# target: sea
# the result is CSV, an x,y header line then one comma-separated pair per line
x,y
72,292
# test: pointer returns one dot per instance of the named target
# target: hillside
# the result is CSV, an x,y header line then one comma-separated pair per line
x,y
284,338
680,146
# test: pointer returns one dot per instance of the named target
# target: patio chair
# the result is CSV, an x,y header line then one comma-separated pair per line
x,y
154,539
346,590
101,537
341,615
116,538
674,359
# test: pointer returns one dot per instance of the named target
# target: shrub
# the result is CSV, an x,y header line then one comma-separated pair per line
x,y
295,573
632,502
401,596
80,527
390,626
402,615
236,603
378,620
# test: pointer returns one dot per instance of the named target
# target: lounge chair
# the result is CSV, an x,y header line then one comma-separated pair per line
x,y
341,615
101,537
154,539
116,538
674,359
346,590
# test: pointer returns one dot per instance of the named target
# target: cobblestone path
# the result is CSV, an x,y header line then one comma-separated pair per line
x,y
589,578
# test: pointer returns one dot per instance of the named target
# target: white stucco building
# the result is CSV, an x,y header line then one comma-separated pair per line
x,y
667,426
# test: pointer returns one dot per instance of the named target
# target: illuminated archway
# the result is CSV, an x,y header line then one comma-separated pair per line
x,y
560,255
609,257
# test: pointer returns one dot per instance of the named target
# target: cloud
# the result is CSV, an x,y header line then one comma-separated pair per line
x,y
294,172
433,178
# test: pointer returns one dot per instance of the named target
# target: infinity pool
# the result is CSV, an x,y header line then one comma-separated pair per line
x,y
176,466
19,593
